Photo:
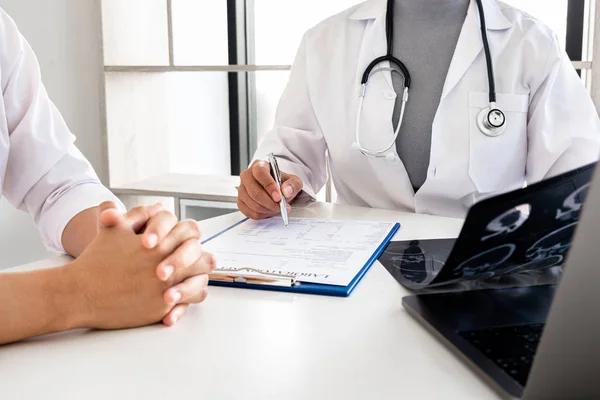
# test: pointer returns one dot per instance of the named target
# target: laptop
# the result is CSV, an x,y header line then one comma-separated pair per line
x,y
530,229
540,342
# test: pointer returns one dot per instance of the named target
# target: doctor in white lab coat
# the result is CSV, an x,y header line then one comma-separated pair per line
x,y
552,125
120,278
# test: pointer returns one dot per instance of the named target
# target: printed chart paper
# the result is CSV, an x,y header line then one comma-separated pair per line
x,y
330,252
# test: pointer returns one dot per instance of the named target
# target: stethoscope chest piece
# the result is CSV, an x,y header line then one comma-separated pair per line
x,y
491,122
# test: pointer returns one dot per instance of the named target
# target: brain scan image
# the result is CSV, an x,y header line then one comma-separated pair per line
x,y
484,263
572,205
536,265
507,222
556,243
529,229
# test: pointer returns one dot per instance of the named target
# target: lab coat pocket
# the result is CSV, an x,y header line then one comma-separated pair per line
x,y
498,163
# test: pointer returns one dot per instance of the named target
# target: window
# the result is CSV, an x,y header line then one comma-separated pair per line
x,y
192,85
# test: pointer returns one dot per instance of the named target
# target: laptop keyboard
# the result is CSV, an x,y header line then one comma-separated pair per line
x,y
510,348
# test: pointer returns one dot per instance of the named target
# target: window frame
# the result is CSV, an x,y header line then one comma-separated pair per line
x,y
576,12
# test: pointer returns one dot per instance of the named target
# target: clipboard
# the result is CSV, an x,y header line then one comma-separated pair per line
x,y
249,278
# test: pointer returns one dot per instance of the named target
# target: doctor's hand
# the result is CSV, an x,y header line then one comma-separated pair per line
x,y
184,268
259,195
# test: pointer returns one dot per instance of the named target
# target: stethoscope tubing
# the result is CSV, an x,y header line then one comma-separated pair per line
x,y
483,121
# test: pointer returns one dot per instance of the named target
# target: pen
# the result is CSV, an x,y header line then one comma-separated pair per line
x,y
277,176
287,282
263,278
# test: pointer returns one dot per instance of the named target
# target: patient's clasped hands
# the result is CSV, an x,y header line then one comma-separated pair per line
x,y
143,267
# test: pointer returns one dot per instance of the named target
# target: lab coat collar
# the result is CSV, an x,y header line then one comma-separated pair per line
x,y
469,44
495,19
370,9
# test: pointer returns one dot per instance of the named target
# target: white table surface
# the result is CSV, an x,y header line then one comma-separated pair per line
x,y
246,344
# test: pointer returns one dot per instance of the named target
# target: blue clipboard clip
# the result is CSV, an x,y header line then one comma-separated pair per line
x,y
252,276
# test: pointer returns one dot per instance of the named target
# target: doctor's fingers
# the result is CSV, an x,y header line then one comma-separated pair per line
x,y
249,208
252,190
255,204
190,291
261,171
291,186
248,212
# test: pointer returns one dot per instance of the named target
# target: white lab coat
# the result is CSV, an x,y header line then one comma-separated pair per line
x,y
552,125
41,171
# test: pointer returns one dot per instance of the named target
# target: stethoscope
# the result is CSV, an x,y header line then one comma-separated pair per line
x,y
491,121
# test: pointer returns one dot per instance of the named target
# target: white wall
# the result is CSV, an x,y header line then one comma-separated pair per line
x,y
66,36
